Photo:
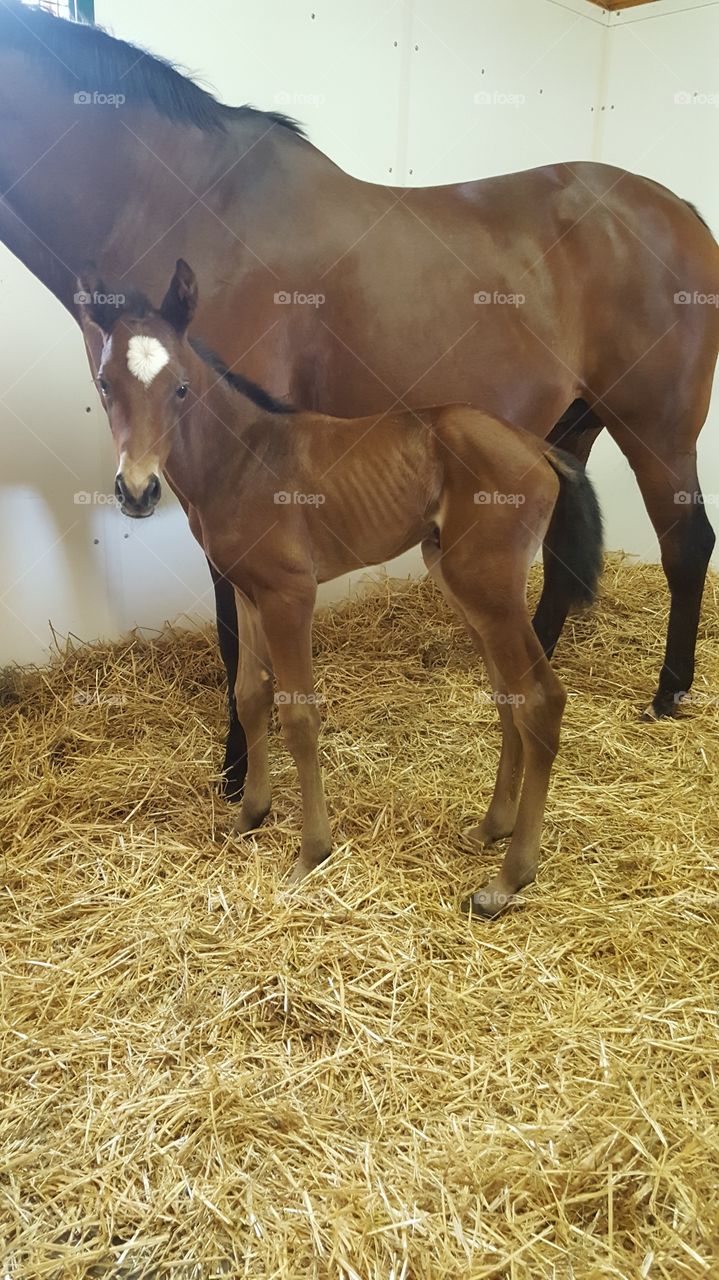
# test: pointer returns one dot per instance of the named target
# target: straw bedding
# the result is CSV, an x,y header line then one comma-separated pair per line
x,y
205,1074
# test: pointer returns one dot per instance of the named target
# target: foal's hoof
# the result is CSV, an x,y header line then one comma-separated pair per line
x,y
488,902
298,874
485,833
248,822
302,870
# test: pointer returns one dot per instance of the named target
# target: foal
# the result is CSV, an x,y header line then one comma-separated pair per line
x,y
283,500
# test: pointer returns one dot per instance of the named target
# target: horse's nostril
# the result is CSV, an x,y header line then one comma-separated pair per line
x,y
153,490
119,489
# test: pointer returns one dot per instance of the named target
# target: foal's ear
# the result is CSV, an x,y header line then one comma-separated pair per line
x,y
93,302
180,301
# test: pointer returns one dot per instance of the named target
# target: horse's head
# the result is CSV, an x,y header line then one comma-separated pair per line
x,y
142,377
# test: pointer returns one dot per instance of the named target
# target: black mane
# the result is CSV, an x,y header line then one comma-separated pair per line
x,y
246,387
702,219
90,60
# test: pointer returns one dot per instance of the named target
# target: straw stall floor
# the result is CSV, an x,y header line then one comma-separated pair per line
x,y
203,1073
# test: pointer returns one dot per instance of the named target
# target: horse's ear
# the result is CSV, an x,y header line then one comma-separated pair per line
x,y
92,300
180,301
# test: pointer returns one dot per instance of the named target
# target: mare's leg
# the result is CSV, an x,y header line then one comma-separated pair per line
x,y
502,812
575,432
670,488
254,696
234,768
287,626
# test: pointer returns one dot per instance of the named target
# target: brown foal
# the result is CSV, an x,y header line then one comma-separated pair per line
x,y
281,500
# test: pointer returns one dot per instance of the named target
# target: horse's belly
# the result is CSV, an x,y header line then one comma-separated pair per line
x,y
343,549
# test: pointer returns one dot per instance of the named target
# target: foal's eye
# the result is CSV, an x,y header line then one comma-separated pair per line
x,y
181,391
104,388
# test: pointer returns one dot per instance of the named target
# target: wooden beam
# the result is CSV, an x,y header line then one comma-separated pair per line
x,y
613,5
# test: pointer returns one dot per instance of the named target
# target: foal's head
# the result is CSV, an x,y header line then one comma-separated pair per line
x,y
143,379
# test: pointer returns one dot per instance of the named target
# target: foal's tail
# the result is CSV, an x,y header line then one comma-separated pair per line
x,y
574,538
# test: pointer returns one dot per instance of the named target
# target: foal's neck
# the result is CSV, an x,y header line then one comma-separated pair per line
x,y
208,440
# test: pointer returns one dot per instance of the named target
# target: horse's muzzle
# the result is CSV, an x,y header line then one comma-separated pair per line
x,y
138,505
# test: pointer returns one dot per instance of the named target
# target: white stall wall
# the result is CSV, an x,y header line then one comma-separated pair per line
x,y
410,93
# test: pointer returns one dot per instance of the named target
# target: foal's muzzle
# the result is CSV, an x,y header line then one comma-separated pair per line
x,y
138,505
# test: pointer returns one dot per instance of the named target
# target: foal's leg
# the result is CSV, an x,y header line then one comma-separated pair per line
x,y
498,613
502,812
537,703
253,696
288,628
501,816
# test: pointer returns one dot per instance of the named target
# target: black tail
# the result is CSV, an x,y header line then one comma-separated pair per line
x,y
574,543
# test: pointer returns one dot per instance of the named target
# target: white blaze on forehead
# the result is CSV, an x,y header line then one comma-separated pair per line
x,y
146,357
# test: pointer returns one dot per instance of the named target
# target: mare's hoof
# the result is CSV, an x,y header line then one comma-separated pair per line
x,y
664,706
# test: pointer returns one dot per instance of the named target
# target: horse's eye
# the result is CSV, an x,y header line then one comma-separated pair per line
x,y
104,388
181,391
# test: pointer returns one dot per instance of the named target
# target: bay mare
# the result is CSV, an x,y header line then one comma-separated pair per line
x,y
115,156
478,495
